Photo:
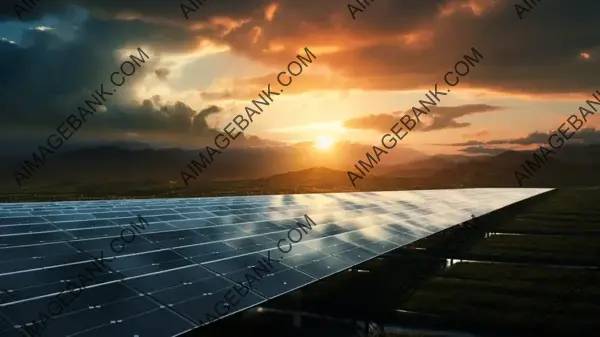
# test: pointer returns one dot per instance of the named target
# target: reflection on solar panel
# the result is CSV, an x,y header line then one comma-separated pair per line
x,y
195,250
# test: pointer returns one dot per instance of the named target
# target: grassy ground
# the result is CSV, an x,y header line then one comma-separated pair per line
x,y
507,293
139,191
527,295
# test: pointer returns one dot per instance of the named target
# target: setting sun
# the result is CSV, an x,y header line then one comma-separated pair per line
x,y
323,143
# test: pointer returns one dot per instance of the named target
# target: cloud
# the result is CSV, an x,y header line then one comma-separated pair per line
x,y
440,118
45,78
199,125
585,135
478,134
445,117
395,45
162,73
412,44
218,96
246,88
483,150
40,92
381,122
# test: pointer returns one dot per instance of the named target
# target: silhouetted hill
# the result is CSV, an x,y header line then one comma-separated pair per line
x,y
418,168
308,176
106,164
454,158
326,180
108,170
574,165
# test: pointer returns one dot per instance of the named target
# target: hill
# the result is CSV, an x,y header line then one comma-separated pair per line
x,y
110,163
110,172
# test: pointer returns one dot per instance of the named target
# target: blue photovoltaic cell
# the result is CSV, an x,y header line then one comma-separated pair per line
x,y
191,252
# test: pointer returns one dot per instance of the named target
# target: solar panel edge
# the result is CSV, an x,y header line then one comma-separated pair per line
x,y
422,195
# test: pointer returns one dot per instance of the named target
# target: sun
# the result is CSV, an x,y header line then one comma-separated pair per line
x,y
323,143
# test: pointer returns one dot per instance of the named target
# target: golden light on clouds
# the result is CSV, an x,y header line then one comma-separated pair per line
x,y
421,38
227,24
270,11
203,48
323,49
336,126
224,25
275,47
147,84
257,33
477,7
478,134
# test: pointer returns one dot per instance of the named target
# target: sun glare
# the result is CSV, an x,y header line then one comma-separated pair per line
x,y
323,143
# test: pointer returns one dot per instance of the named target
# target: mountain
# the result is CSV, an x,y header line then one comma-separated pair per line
x,y
138,162
418,168
108,170
569,166
455,158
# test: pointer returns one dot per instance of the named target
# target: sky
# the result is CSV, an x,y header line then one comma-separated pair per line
x,y
538,66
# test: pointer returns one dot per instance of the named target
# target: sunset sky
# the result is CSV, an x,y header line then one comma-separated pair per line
x,y
536,71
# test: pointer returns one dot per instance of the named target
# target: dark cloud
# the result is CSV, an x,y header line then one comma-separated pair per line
x,y
147,9
481,133
394,45
585,135
439,118
199,125
162,73
483,150
46,78
445,117
377,52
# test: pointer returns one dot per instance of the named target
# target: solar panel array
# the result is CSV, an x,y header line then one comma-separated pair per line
x,y
194,250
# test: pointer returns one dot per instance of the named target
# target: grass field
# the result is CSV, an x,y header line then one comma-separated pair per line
x,y
534,294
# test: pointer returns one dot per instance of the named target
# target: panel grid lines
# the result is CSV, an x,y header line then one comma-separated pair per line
x,y
194,250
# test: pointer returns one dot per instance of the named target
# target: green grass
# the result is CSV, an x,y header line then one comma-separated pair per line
x,y
508,294
522,295
127,190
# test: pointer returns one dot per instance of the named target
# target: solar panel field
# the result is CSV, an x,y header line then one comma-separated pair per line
x,y
64,276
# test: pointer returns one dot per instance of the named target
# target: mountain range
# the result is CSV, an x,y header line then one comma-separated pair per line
x,y
298,166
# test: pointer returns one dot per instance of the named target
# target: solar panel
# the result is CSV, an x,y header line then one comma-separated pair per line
x,y
88,268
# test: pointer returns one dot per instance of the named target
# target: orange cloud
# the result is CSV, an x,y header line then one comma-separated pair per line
x,y
478,134
399,45
585,56
476,7
270,11
440,118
